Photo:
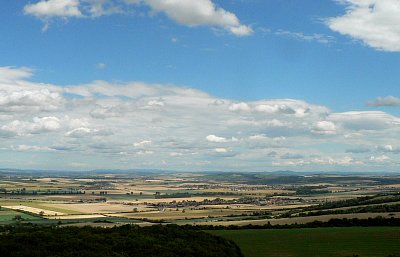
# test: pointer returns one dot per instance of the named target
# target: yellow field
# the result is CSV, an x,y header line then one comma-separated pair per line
x,y
170,214
35,210
97,208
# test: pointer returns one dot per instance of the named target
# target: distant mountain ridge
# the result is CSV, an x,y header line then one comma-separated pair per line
x,y
144,172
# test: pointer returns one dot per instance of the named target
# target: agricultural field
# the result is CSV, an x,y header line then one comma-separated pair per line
x,y
334,242
197,198
8,216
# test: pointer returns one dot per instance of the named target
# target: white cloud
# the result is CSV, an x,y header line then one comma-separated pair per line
x,y
29,100
385,101
30,148
325,128
97,8
175,154
381,158
54,8
190,13
133,124
156,103
221,150
274,108
315,37
79,132
39,125
200,13
388,149
368,120
10,74
241,31
375,22
217,139
145,152
239,107
142,143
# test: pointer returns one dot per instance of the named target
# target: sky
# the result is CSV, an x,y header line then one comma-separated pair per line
x,y
200,85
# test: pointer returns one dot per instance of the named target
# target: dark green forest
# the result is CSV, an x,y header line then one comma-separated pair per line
x,y
124,241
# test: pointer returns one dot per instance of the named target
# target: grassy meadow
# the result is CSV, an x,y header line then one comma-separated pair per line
x,y
7,216
313,242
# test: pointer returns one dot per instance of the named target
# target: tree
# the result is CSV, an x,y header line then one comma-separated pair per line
x,y
17,218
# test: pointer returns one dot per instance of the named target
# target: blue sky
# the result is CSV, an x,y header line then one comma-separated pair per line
x,y
338,59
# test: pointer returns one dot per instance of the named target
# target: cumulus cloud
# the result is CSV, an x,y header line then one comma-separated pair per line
x,y
216,139
136,124
380,158
107,111
239,107
29,100
368,120
374,22
385,101
274,108
53,8
388,149
38,125
324,128
200,13
189,13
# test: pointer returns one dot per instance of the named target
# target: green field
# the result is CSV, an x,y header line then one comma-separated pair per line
x,y
7,216
309,242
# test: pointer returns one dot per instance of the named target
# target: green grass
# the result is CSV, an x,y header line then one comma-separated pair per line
x,y
6,216
309,242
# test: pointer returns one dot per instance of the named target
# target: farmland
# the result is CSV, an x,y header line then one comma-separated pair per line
x,y
228,204
195,198
354,241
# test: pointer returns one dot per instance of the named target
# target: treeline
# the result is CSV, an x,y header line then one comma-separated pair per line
x,y
124,241
174,195
365,209
355,222
188,195
376,199
23,191
311,190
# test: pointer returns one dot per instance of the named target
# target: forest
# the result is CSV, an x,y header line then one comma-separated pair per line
x,y
123,241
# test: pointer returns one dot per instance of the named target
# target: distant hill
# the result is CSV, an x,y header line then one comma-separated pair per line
x,y
145,172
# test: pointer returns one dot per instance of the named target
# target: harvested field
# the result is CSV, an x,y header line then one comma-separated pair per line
x,y
71,217
35,210
179,215
98,208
